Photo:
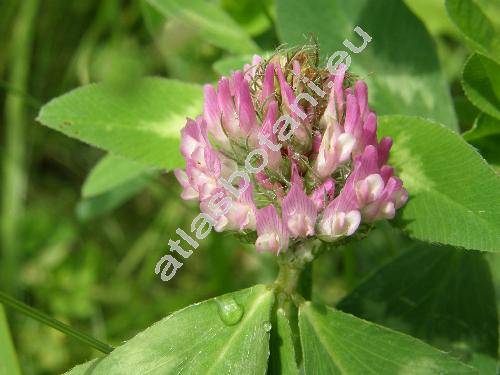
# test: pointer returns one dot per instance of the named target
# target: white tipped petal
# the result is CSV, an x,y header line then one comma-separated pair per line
x,y
387,210
352,221
345,143
369,189
268,242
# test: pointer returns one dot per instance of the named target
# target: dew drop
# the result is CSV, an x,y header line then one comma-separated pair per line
x,y
267,326
229,310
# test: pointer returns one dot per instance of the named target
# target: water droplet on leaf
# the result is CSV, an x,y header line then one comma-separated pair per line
x,y
229,310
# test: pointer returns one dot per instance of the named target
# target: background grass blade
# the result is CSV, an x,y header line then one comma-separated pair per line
x,y
8,358
14,174
54,323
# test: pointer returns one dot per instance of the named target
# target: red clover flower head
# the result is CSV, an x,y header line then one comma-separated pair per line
x,y
287,151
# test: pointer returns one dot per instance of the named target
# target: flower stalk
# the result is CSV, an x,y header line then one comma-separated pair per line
x,y
295,266
293,285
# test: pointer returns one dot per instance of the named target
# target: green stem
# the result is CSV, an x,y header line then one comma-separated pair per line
x,y
54,323
288,276
295,270
14,176
286,286
293,285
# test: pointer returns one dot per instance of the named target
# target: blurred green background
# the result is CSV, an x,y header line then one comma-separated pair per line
x,y
90,262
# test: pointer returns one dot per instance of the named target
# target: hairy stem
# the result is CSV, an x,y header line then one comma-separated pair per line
x,y
293,285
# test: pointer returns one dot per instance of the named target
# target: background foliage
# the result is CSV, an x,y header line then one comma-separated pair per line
x,y
81,230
